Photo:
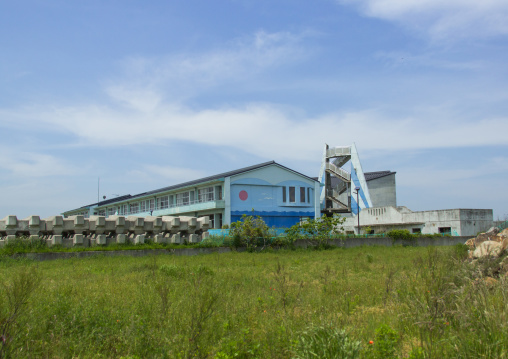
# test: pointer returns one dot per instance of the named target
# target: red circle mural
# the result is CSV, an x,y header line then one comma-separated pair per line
x,y
243,195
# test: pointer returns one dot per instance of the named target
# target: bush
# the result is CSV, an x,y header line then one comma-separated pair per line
x,y
401,234
317,231
250,232
326,342
386,343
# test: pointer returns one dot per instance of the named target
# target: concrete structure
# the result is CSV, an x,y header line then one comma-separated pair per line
x,y
281,196
342,187
382,188
99,230
457,222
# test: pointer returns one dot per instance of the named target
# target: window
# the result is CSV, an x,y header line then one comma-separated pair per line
x,y
164,202
445,230
218,190
151,204
417,230
111,211
142,206
308,195
292,194
134,207
205,194
302,194
284,194
102,212
182,199
212,222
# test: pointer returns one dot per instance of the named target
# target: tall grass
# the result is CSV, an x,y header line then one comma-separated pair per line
x,y
405,301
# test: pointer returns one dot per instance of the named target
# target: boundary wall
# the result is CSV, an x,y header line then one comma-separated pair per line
x,y
100,230
301,243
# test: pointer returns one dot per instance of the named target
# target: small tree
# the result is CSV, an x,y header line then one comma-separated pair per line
x,y
250,231
318,230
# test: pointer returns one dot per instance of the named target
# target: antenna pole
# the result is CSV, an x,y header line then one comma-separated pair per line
x,y
98,186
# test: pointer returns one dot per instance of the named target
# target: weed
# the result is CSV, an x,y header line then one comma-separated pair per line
x,y
16,292
326,342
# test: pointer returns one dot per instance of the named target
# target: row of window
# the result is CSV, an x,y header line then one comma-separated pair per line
x,y
206,194
304,194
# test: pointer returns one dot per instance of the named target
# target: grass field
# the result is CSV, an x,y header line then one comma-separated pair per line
x,y
366,302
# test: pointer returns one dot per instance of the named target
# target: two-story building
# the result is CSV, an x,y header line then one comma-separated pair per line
x,y
281,196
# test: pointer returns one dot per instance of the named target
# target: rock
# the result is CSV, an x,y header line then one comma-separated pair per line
x,y
493,231
470,243
487,236
487,248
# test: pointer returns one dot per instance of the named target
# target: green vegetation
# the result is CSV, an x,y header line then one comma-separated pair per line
x,y
375,302
317,231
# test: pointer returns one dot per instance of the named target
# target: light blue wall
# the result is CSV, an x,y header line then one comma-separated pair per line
x,y
263,188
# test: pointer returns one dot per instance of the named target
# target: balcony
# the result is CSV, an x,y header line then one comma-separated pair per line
x,y
176,209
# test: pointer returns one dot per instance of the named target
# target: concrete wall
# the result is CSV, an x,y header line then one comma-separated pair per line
x,y
346,243
383,191
261,190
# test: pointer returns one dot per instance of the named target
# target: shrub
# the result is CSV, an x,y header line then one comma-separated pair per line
x,y
317,231
326,342
401,234
250,231
386,343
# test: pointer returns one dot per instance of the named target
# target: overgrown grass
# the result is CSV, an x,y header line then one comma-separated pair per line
x,y
370,302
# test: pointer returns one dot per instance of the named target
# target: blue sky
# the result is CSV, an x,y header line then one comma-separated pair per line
x,y
145,94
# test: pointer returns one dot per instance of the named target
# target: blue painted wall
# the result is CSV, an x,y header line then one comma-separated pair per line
x,y
261,191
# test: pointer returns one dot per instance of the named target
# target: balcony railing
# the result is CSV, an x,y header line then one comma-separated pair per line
x,y
157,208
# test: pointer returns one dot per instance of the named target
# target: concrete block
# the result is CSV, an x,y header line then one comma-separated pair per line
x,y
97,224
139,239
55,240
54,225
10,221
135,224
100,239
203,223
205,235
188,224
77,240
77,220
34,221
176,239
170,224
120,238
153,224
159,238
193,238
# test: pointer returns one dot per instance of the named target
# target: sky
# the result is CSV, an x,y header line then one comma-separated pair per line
x,y
147,94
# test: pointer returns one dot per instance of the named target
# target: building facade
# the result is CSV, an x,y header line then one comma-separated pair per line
x,y
457,222
281,196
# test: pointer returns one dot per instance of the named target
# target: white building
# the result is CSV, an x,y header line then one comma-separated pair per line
x,y
457,222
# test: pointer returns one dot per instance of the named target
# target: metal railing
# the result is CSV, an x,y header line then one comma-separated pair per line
x,y
160,207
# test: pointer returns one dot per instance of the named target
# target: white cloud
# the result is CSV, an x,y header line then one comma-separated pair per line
x,y
167,173
441,19
30,164
181,76
271,132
